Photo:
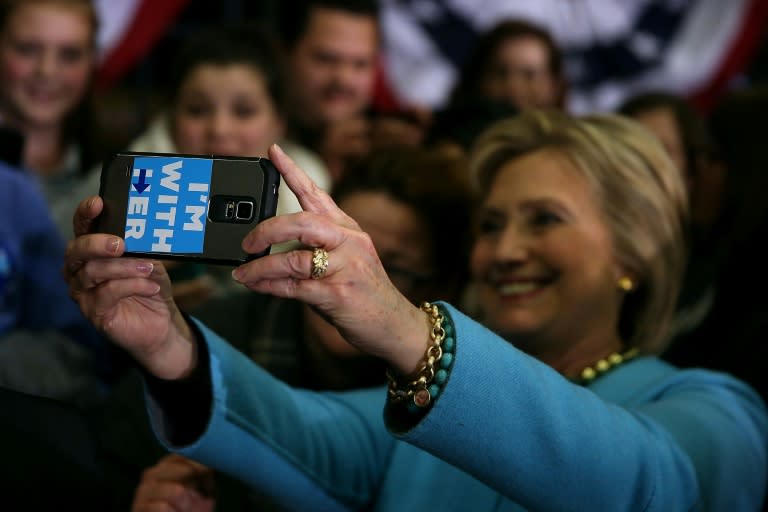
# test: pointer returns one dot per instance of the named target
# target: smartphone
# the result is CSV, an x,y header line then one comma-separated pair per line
x,y
186,207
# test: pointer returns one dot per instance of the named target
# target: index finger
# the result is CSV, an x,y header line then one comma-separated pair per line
x,y
311,197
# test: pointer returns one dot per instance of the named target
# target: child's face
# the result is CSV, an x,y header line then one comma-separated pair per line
x,y
225,110
46,62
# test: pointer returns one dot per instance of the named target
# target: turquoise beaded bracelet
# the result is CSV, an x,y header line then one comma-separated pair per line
x,y
433,372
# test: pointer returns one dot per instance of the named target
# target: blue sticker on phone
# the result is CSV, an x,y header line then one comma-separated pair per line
x,y
168,205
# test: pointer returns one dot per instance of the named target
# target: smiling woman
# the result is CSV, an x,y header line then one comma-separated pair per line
x,y
47,62
546,260
561,234
580,257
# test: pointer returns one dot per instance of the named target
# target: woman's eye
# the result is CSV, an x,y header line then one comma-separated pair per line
x,y
193,110
26,49
487,225
72,55
245,111
545,218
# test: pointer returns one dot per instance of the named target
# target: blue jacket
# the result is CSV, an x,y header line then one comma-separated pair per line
x,y
33,293
506,433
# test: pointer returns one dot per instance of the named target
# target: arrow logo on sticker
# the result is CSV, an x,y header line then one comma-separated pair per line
x,y
142,185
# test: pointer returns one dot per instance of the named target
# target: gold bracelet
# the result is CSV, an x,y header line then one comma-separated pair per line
x,y
418,390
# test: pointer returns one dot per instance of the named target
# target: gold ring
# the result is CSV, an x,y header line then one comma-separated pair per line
x,y
319,263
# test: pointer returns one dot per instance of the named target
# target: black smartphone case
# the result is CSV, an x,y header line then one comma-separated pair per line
x,y
133,195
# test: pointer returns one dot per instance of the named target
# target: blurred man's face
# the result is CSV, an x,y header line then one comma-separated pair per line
x,y
333,66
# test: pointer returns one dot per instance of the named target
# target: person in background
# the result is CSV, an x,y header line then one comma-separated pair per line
x,y
47,62
412,202
226,96
514,61
47,347
731,336
48,444
579,276
333,51
685,136
456,127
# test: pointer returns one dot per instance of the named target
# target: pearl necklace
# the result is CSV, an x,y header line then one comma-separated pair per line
x,y
601,367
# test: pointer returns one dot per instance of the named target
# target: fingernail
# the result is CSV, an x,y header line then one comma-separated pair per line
x,y
237,274
279,149
89,204
113,245
145,267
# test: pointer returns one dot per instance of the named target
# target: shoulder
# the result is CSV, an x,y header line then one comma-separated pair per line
x,y
14,178
706,411
21,195
649,378
156,138
716,419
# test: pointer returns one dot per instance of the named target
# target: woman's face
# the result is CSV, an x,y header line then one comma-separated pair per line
x,y
402,242
519,73
46,62
543,257
225,110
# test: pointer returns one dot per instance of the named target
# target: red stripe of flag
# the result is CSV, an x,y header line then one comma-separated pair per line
x,y
148,25
743,48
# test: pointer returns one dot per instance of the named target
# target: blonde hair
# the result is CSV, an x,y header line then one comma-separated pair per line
x,y
641,196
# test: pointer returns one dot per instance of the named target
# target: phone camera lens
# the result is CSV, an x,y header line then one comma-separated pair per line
x,y
244,210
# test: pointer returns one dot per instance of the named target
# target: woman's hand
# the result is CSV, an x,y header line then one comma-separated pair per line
x,y
128,299
355,293
175,483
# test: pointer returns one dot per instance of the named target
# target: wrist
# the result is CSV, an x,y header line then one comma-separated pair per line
x,y
418,390
176,358
408,353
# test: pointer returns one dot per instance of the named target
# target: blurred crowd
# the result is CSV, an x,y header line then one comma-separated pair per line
x,y
74,414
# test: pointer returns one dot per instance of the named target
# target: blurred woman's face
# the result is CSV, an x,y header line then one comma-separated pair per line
x,y
661,121
46,62
225,110
544,259
519,73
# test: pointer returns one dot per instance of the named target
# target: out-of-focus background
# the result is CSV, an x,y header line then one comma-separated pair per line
x,y
613,48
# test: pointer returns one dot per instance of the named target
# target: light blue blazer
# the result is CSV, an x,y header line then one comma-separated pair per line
x,y
506,433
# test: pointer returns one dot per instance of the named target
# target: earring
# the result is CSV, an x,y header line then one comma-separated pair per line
x,y
626,284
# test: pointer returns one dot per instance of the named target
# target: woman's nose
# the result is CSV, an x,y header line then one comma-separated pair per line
x,y
513,244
